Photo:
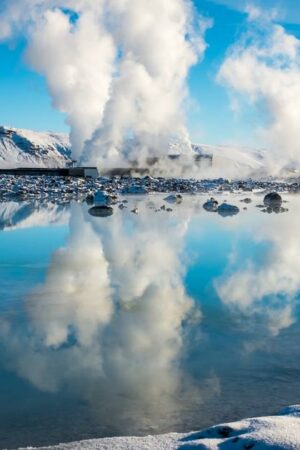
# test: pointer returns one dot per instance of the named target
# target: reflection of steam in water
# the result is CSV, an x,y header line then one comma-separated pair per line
x,y
151,302
111,326
107,322
266,287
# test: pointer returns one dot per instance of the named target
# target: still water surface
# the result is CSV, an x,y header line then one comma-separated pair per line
x,y
145,323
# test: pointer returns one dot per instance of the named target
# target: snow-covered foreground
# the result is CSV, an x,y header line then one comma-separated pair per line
x,y
281,432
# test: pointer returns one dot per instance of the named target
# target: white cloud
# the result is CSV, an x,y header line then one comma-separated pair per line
x,y
286,10
263,68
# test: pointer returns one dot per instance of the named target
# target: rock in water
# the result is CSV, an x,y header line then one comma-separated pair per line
x,y
101,211
211,205
174,198
273,200
276,210
226,210
246,200
90,200
135,190
101,199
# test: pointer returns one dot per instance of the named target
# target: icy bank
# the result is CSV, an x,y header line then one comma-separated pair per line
x,y
280,432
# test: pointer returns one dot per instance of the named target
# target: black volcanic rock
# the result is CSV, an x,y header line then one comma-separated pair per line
x,y
273,200
226,210
101,211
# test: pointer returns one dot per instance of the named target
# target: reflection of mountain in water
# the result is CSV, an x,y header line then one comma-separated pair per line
x,y
24,215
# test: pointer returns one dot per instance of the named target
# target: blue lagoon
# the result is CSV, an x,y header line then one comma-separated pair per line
x,y
145,322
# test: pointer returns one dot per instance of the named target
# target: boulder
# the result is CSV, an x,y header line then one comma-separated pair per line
x,y
101,199
174,198
273,200
246,200
135,190
211,205
101,211
226,210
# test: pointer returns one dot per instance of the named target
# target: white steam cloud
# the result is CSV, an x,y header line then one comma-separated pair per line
x,y
117,68
263,69
107,323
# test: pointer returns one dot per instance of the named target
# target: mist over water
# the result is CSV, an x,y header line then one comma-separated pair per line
x,y
124,324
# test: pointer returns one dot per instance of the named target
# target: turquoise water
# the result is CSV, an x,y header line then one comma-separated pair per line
x,y
145,323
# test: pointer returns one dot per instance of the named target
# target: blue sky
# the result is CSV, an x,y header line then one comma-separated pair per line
x,y
25,102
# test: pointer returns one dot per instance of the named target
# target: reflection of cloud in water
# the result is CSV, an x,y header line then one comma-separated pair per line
x,y
107,321
267,287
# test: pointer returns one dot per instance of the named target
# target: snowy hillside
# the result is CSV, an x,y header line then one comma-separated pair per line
x,y
230,161
23,148
279,432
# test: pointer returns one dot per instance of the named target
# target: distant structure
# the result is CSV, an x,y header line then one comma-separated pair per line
x,y
71,163
201,160
79,172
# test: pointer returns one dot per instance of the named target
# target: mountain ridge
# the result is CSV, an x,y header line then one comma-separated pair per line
x,y
27,148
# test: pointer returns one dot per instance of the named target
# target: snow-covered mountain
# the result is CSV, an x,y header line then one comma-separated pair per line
x,y
24,148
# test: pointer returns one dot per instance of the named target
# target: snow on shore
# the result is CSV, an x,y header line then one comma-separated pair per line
x,y
281,432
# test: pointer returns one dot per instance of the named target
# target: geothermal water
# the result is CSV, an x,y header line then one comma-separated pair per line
x,y
145,322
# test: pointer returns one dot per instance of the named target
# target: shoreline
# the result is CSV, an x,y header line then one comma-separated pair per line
x,y
66,189
278,432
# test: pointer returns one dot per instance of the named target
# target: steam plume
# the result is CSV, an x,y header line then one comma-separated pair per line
x,y
117,68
